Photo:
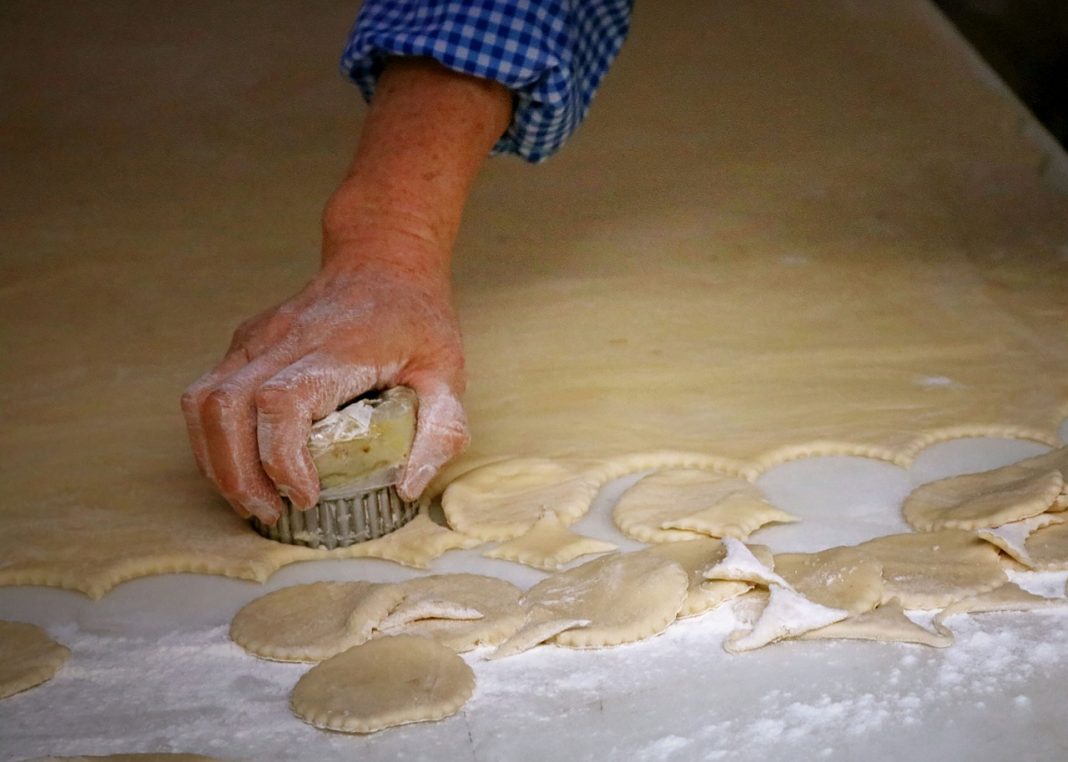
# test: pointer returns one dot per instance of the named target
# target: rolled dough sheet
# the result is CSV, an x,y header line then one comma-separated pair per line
x,y
28,657
878,271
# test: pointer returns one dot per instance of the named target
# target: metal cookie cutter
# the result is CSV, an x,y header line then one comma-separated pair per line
x,y
360,452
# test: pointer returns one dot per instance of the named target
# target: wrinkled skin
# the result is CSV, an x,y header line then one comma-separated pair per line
x,y
377,315
354,327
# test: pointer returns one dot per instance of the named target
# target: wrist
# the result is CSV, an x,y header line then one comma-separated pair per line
x,y
359,227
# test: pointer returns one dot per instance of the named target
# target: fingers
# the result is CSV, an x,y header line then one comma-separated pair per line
x,y
228,417
286,406
193,403
440,435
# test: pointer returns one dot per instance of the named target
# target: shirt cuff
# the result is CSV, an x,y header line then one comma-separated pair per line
x,y
552,54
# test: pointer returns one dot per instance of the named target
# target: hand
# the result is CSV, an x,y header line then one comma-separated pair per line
x,y
379,312
366,321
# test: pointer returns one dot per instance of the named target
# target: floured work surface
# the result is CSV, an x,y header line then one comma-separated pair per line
x,y
783,231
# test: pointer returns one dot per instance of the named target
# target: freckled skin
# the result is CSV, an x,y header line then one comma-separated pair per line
x,y
378,314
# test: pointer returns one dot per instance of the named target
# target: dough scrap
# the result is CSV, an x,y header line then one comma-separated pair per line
x,y
496,602
624,596
548,545
1008,597
312,622
990,498
842,578
28,657
1048,548
503,500
741,564
383,683
887,623
415,544
694,556
786,615
1012,538
926,570
677,504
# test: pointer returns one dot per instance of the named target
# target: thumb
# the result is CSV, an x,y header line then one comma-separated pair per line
x,y
440,434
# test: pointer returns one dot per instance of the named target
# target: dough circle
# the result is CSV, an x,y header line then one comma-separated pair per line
x,y
685,504
28,657
426,599
312,622
623,597
926,570
503,500
842,578
694,556
983,500
383,683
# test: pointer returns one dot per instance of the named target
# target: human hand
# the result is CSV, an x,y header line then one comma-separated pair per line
x,y
377,317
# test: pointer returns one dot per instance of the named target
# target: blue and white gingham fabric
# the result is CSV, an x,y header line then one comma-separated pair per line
x,y
552,54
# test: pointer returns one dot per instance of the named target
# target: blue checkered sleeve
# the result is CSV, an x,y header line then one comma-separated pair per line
x,y
552,54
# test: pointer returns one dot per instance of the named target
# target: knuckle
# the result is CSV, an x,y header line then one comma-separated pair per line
x,y
270,398
220,403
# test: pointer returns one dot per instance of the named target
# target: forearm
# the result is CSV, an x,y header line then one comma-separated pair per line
x,y
426,135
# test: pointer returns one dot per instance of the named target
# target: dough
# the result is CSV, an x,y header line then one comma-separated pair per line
x,y
679,504
430,606
741,564
503,500
624,597
548,545
313,622
1048,548
416,544
786,615
28,657
987,499
843,578
739,287
925,570
886,623
383,683
1008,597
1012,538
694,556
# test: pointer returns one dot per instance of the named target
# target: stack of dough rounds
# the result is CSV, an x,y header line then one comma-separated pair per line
x,y
434,607
313,622
615,599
